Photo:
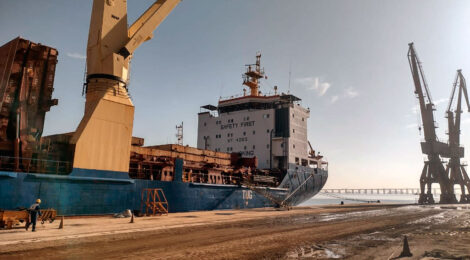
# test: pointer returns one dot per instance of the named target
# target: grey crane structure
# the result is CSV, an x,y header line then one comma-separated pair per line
x,y
455,169
433,170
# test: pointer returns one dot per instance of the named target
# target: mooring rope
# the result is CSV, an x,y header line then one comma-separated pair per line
x,y
350,199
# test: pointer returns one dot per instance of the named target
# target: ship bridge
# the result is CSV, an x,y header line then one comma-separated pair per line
x,y
270,127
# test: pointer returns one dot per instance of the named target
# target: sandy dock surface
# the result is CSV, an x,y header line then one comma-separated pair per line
x,y
360,231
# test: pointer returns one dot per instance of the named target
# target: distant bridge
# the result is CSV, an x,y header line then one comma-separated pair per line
x,y
435,191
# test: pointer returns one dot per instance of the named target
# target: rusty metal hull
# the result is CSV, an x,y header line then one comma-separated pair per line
x,y
27,73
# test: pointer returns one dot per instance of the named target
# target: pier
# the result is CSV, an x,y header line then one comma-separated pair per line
x,y
385,191
358,231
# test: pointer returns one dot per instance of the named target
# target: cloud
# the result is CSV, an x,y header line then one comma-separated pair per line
x,y
75,55
347,93
414,125
350,93
315,84
334,99
440,101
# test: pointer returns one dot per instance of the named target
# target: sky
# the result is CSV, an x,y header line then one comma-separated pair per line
x,y
347,61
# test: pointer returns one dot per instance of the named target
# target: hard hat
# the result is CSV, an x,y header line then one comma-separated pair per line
x,y
38,201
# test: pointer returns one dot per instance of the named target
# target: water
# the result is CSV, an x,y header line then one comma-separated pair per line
x,y
324,199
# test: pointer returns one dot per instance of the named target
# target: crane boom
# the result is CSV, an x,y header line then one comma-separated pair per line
x,y
143,27
424,98
103,138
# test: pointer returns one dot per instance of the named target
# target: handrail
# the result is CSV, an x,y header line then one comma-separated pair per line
x,y
200,176
34,165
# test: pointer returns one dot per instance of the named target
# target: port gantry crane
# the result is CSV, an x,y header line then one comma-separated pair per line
x,y
433,170
455,170
103,138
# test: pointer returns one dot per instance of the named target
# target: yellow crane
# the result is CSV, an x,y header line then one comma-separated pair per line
x,y
103,138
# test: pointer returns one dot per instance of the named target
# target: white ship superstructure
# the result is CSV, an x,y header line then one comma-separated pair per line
x,y
272,128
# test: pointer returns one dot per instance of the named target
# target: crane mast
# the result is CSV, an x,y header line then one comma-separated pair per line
x,y
433,170
455,169
103,138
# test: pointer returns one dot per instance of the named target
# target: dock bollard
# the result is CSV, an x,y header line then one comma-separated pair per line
x,y
406,249
132,218
61,225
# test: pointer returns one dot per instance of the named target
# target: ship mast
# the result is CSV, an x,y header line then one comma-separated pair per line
x,y
251,76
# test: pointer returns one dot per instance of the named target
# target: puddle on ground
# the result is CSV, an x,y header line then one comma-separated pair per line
x,y
442,254
348,215
374,236
315,252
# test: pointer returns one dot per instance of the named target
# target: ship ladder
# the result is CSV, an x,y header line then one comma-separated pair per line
x,y
154,201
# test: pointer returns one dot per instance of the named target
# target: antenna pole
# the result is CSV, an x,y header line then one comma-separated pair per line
x,y
290,73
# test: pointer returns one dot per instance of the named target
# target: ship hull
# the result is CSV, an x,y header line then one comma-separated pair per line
x,y
90,192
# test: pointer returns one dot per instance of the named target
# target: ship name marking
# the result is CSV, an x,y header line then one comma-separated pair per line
x,y
235,125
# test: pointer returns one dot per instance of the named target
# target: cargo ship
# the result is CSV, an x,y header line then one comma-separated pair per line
x,y
252,150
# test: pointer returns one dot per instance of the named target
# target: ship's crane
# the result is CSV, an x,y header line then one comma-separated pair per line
x,y
103,138
455,170
433,170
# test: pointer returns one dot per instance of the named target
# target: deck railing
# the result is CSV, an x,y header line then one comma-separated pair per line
x,y
31,165
197,177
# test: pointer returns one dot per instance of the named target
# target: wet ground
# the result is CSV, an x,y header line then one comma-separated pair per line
x,y
443,234
323,232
